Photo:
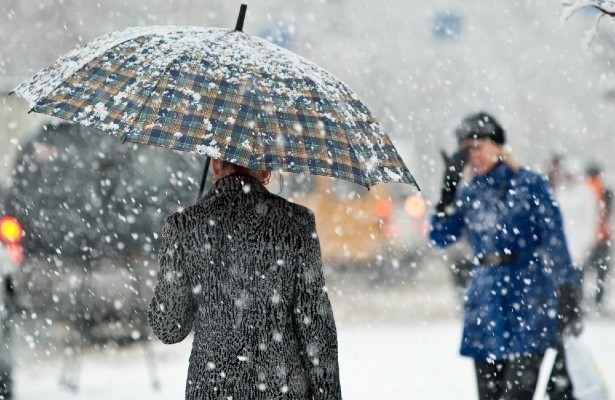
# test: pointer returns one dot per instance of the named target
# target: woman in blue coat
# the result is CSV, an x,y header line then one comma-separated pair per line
x,y
523,290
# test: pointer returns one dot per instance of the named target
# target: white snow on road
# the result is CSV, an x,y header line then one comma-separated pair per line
x,y
398,361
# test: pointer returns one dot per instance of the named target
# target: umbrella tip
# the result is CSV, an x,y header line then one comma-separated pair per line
x,y
241,17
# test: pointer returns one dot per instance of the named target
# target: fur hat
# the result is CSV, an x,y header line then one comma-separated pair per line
x,y
480,126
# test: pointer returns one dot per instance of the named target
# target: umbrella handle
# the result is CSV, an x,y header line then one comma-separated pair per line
x,y
241,17
204,178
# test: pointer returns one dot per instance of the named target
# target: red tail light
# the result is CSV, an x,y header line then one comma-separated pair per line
x,y
383,208
10,230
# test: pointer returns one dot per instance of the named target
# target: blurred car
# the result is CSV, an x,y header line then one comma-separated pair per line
x,y
383,228
10,256
91,210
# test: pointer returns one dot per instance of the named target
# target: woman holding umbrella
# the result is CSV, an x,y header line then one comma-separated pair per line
x,y
242,268
523,291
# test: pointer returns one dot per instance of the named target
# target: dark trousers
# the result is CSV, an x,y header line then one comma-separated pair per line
x,y
516,379
600,260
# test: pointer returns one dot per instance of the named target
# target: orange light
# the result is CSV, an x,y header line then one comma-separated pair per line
x,y
383,208
415,206
10,230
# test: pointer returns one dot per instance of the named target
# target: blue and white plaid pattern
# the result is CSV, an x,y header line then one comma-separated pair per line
x,y
220,93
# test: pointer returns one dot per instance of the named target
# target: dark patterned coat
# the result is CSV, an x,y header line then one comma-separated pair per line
x,y
242,268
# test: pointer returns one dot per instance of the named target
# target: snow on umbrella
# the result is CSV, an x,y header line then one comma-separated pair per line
x,y
220,93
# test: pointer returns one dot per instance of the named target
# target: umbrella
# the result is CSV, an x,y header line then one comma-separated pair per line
x,y
220,93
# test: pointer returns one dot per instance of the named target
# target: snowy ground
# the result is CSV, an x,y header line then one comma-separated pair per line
x,y
395,342
379,362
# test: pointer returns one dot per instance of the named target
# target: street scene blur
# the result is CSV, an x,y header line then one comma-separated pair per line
x,y
406,255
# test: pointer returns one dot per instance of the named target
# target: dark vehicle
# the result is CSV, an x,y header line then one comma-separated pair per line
x,y
10,257
91,210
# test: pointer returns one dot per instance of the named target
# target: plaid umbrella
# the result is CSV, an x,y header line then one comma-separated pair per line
x,y
220,93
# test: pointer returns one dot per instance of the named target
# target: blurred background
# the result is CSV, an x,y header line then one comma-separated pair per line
x,y
420,66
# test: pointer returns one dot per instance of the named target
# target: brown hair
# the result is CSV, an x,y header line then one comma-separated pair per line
x,y
234,167
240,170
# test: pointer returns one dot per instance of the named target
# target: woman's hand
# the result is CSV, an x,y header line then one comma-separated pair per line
x,y
453,169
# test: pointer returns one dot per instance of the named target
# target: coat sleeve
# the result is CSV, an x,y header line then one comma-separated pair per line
x,y
172,310
313,320
550,228
445,230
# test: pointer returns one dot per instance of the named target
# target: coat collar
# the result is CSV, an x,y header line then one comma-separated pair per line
x,y
501,172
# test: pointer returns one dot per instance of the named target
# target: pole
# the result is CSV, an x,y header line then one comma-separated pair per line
x,y
238,28
204,178
241,17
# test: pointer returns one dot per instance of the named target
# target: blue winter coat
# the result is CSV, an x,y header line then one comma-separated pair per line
x,y
510,309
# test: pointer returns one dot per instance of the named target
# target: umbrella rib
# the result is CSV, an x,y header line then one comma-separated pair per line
x,y
313,83
259,105
161,76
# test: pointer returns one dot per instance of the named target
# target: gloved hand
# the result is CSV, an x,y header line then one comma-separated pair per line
x,y
453,168
570,296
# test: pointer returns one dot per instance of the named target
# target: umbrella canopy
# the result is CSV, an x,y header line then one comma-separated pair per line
x,y
220,93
